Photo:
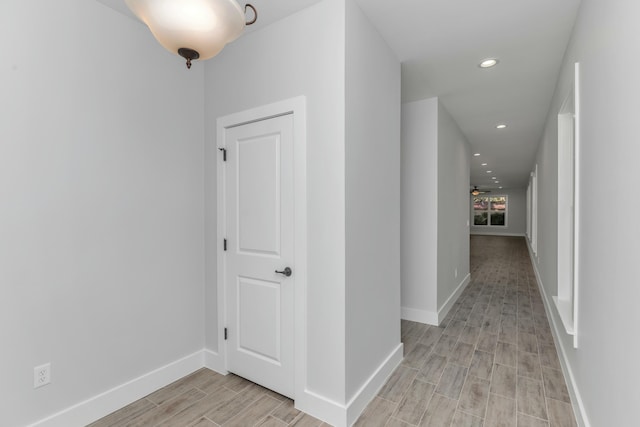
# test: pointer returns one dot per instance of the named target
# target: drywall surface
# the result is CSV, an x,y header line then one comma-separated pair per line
x,y
603,42
101,225
419,213
372,200
303,54
454,157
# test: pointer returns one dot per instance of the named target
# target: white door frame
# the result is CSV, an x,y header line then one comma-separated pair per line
x,y
297,107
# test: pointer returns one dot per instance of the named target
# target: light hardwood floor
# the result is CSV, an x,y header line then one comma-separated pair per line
x,y
491,363
206,398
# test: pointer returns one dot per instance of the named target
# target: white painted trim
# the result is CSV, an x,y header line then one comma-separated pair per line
x,y
214,361
565,312
417,315
297,107
567,210
534,211
577,403
488,233
372,386
103,404
446,307
221,226
432,317
321,407
530,208
340,415
314,404
576,206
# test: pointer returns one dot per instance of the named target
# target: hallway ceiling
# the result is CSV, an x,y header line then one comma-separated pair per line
x,y
269,11
440,44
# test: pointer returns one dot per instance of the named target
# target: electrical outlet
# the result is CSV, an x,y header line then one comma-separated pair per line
x,y
41,375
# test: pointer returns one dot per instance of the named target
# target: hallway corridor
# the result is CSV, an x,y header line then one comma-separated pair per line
x,y
491,363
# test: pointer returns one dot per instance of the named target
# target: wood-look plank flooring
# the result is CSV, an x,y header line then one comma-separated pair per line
x,y
492,362
206,398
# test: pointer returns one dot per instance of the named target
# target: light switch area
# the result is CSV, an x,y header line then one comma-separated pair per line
x,y
41,375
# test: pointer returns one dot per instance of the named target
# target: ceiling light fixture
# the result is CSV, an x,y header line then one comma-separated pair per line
x,y
489,171
488,63
484,164
193,29
476,154
501,126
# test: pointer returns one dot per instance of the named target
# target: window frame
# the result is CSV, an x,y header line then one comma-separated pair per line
x,y
489,211
568,185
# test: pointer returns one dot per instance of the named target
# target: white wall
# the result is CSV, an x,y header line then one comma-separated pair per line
x,y
604,42
372,200
303,54
353,183
516,214
419,213
435,186
101,186
454,163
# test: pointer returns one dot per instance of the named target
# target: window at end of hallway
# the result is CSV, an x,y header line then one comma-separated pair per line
x,y
490,211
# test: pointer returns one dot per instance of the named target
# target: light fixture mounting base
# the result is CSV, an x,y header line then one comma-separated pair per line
x,y
188,54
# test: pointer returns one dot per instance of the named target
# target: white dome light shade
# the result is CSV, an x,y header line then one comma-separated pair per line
x,y
203,26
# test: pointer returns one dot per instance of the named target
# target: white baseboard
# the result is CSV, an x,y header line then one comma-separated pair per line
x,y
322,408
446,307
372,386
495,233
422,316
105,403
214,361
578,405
340,415
432,317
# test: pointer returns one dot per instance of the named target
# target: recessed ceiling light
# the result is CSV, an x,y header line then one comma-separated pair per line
x,y
497,182
493,177
484,164
488,63
489,171
476,154
501,126
500,186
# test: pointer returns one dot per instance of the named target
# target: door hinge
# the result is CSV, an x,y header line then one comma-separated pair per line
x,y
226,335
224,154
225,244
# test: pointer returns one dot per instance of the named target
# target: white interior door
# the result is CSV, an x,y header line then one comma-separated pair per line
x,y
260,241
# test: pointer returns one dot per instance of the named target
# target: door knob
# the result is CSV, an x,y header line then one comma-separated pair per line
x,y
287,272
